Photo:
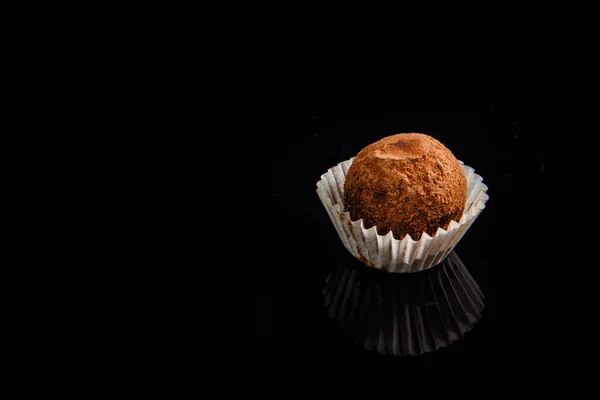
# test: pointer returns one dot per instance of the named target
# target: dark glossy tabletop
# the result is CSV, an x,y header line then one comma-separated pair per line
x,y
469,310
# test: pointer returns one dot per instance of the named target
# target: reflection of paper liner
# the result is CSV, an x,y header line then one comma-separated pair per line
x,y
386,252
404,314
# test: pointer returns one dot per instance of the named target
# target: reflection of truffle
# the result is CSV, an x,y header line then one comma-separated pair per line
x,y
404,314
408,183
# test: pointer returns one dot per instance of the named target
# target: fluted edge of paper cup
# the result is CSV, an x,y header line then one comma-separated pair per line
x,y
387,253
377,315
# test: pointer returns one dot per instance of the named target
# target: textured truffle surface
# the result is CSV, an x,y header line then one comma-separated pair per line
x,y
408,183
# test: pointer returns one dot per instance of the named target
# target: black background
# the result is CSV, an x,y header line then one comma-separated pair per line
x,y
506,250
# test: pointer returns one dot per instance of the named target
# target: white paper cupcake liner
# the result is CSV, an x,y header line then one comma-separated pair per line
x,y
407,315
386,252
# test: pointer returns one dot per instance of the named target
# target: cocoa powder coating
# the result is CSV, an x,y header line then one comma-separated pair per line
x,y
408,183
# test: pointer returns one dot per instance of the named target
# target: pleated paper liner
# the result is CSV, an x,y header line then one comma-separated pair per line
x,y
386,252
404,314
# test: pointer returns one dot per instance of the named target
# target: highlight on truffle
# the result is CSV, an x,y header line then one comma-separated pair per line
x,y
408,183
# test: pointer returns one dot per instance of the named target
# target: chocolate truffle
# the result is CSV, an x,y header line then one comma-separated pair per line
x,y
407,183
